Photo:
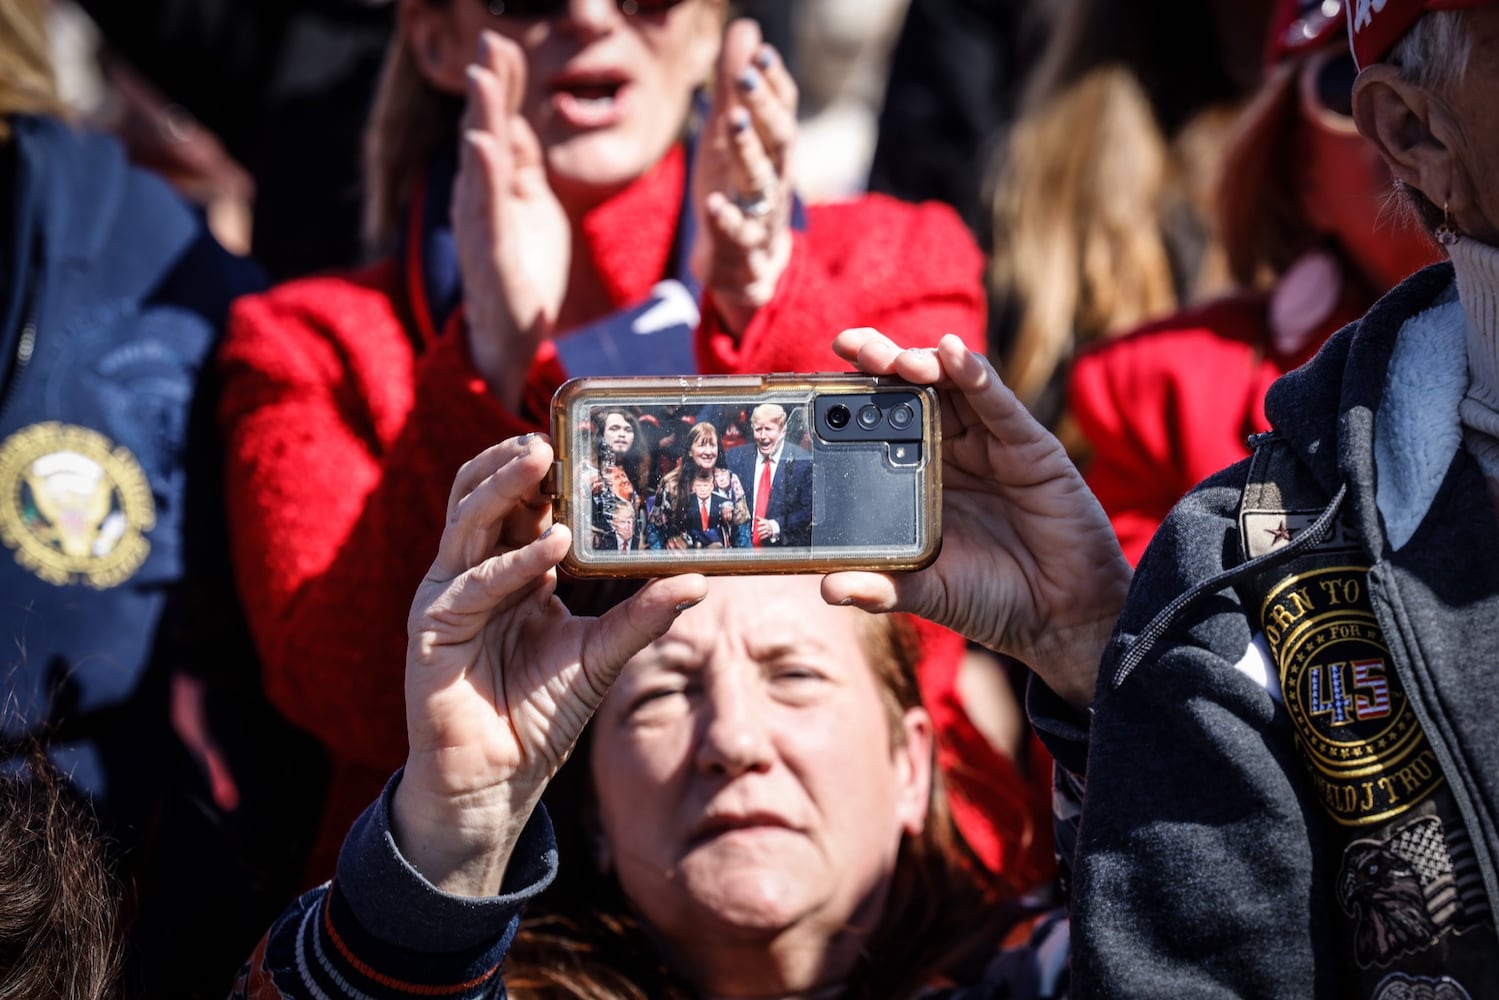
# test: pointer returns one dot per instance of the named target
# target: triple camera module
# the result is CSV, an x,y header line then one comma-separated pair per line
x,y
875,414
890,416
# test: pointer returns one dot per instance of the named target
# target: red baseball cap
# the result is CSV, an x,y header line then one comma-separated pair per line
x,y
1374,26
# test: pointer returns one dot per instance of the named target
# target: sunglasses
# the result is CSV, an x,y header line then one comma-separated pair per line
x,y
557,8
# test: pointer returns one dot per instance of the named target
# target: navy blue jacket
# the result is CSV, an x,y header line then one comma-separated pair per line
x,y
112,294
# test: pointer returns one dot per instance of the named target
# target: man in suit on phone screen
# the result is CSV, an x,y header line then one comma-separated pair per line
x,y
777,475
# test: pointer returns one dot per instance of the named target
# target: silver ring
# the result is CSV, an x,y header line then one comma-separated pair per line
x,y
758,205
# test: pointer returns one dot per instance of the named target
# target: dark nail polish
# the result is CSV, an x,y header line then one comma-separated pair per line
x,y
547,533
749,79
765,57
740,120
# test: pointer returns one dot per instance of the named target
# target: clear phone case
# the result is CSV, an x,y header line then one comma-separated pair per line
x,y
747,474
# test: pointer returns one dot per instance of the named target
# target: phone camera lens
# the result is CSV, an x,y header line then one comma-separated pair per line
x,y
901,416
869,416
838,417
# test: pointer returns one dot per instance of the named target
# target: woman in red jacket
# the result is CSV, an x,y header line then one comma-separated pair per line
x,y
609,221
1165,406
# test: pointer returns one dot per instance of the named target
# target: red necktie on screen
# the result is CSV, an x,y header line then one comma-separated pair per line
x,y
762,498
703,508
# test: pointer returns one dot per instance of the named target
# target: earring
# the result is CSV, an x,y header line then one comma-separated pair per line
x,y
496,7
1447,233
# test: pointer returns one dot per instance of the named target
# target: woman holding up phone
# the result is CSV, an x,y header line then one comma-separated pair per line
x,y
759,815
558,187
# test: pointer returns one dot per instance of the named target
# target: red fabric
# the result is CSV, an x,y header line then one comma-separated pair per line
x,y
1174,402
1374,26
343,443
1002,805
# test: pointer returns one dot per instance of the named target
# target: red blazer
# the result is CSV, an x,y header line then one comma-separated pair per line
x,y
344,439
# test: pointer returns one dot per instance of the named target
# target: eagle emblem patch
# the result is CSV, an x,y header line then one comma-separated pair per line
x,y
74,507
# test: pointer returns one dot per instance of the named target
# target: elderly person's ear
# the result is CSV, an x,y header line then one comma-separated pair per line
x,y
1413,130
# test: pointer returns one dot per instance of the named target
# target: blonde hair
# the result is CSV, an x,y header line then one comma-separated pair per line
x,y
1102,195
28,85
408,119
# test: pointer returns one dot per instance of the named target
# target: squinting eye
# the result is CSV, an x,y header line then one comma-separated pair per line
x,y
797,674
653,696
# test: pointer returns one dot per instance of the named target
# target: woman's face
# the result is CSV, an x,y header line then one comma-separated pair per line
x,y
618,434
607,93
749,786
704,451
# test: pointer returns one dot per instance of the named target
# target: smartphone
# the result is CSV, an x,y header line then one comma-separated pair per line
x,y
741,474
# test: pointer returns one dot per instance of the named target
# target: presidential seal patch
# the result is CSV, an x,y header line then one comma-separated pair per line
x,y
1361,741
74,507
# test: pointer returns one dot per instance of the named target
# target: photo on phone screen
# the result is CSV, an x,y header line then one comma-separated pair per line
x,y
829,472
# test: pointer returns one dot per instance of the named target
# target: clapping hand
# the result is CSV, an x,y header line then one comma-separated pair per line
x,y
500,677
741,183
513,238
1029,565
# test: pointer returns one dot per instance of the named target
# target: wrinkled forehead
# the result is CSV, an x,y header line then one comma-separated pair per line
x,y
761,613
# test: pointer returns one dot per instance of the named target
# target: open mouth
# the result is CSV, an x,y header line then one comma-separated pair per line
x,y
594,94
589,96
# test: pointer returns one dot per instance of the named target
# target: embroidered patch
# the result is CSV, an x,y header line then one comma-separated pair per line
x,y
1399,986
1400,892
73,506
1265,530
1364,748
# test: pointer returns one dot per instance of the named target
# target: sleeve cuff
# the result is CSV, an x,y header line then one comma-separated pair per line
x,y
393,902
1063,729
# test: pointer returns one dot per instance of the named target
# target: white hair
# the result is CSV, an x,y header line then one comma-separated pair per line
x,y
1434,53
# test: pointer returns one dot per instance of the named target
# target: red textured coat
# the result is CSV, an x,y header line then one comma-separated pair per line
x,y
1166,406
344,441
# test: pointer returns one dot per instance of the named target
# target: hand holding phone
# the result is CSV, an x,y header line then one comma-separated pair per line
x,y
1030,566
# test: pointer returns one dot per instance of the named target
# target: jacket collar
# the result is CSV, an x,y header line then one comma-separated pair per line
x,y
1357,359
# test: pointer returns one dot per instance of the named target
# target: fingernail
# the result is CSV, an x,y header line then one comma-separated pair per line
x,y
525,439
749,79
689,604
740,120
484,44
547,533
765,57
847,602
